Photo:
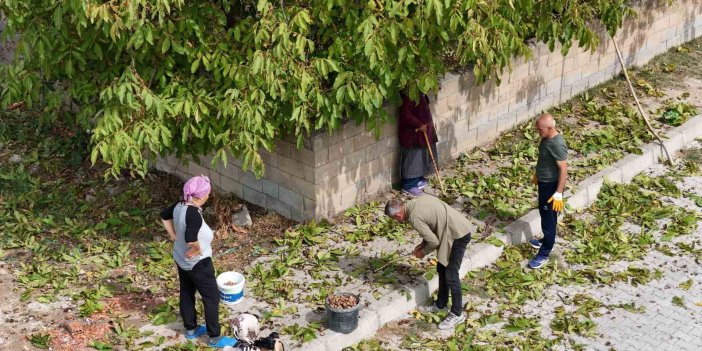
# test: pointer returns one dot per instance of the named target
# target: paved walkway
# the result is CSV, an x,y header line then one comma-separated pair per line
x,y
663,325
664,313
660,324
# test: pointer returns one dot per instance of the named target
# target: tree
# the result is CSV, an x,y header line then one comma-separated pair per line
x,y
152,77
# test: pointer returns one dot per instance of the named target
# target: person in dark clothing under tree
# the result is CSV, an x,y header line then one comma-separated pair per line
x,y
192,252
415,161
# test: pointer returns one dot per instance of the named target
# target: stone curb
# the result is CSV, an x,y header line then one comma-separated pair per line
x,y
623,171
397,304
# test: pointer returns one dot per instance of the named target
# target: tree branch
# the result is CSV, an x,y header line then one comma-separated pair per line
x,y
638,104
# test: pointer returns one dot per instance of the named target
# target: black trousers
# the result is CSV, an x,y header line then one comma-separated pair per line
x,y
549,217
449,280
201,279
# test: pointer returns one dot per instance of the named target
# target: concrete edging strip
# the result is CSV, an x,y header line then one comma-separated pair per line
x,y
397,304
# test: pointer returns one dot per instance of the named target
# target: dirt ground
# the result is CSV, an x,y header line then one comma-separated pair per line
x,y
12,316
234,248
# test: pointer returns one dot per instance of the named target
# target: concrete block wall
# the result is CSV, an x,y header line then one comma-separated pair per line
x,y
350,166
287,186
359,166
467,115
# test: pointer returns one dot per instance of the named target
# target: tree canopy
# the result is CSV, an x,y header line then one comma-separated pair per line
x,y
152,77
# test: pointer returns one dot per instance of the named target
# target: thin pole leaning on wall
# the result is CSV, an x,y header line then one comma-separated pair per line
x,y
638,104
433,160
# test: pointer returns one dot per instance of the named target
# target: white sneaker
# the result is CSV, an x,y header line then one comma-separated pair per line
x,y
430,309
451,321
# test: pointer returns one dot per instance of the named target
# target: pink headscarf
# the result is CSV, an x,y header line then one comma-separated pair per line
x,y
197,187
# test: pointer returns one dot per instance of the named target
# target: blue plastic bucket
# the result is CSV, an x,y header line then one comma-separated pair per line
x,y
231,287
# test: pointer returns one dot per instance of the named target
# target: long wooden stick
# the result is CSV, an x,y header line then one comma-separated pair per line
x,y
638,104
433,160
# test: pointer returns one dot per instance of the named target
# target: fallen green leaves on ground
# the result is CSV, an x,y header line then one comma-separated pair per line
x,y
302,334
69,234
686,285
602,245
678,301
315,249
571,323
600,127
101,346
88,230
598,236
40,340
677,112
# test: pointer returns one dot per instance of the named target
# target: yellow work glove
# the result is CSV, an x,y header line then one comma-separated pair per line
x,y
557,201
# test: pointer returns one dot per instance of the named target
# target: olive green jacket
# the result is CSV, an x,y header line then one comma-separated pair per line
x,y
438,224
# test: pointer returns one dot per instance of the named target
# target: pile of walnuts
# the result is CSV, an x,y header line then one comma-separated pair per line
x,y
342,301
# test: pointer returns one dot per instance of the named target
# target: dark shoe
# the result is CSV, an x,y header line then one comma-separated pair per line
x,y
423,183
538,262
535,243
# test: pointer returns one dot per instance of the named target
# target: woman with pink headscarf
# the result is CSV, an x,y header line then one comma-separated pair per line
x,y
192,252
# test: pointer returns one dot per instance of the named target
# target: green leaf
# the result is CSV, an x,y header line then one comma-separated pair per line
x,y
678,301
166,45
40,341
261,64
195,65
495,241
